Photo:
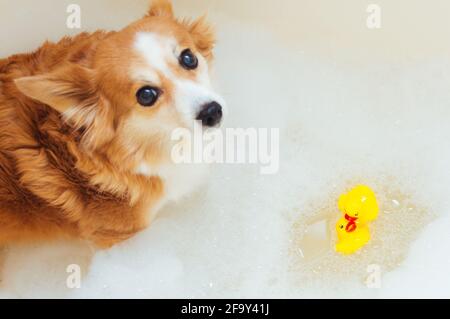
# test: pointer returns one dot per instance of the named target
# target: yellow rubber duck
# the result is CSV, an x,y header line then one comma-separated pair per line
x,y
359,205
351,237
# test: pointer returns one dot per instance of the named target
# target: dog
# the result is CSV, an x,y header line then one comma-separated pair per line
x,y
86,123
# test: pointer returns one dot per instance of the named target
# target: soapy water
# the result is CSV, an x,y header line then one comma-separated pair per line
x,y
239,235
398,224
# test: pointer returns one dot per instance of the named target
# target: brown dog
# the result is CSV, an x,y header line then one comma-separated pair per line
x,y
85,128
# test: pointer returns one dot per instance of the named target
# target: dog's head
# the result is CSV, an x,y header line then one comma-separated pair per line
x,y
132,88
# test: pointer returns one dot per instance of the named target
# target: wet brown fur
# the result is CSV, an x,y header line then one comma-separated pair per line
x,y
75,178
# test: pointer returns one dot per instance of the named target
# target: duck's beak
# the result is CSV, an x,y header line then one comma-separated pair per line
x,y
351,227
351,219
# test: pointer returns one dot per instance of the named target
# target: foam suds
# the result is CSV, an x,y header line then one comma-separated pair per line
x,y
41,270
385,125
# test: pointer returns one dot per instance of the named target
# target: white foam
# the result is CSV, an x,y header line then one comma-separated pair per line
x,y
424,274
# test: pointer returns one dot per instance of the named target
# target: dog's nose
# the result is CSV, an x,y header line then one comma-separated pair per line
x,y
211,114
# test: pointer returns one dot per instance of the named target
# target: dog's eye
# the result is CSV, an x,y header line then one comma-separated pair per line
x,y
188,60
147,96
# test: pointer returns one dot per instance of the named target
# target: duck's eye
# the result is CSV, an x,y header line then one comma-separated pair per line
x,y
188,60
341,227
356,214
147,96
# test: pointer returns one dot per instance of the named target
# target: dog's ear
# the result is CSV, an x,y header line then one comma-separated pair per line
x,y
70,90
69,86
203,36
160,8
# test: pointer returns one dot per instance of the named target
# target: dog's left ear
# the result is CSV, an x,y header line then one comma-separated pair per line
x,y
160,8
67,87
203,35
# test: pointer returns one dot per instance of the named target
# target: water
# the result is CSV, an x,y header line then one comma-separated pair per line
x,y
399,223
